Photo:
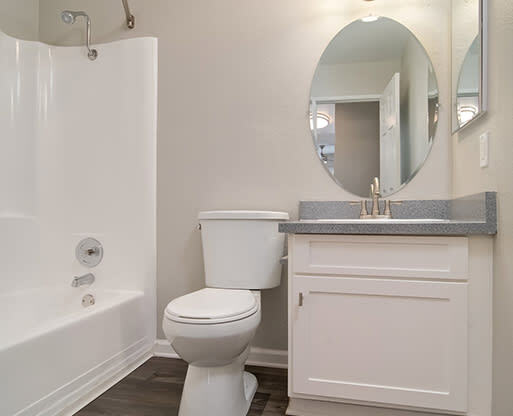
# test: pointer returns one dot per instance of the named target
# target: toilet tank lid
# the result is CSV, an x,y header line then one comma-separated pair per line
x,y
243,215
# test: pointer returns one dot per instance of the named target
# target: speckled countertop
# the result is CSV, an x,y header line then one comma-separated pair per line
x,y
475,214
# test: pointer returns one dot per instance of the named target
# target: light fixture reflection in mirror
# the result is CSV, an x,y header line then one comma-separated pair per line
x,y
468,96
322,120
466,113
369,19
373,106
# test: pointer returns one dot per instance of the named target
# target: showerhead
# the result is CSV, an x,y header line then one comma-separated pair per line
x,y
69,17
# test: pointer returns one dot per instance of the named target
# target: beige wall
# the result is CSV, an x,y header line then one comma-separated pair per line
x,y
356,161
20,18
234,84
469,177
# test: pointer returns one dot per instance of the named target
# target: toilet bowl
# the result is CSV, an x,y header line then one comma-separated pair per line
x,y
211,329
212,341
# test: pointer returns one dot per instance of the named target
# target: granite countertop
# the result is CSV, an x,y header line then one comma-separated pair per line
x,y
471,215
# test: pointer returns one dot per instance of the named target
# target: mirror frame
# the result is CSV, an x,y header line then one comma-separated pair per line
x,y
483,78
315,102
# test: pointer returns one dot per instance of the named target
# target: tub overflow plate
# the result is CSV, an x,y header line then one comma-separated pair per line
x,y
88,300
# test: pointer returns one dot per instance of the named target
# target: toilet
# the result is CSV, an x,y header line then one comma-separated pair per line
x,y
211,329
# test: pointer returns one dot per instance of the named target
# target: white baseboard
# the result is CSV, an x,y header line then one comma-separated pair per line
x,y
265,357
71,397
313,407
110,380
163,349
262,357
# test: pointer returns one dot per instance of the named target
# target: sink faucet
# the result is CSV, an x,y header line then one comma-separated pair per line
x,y
86,279
375,195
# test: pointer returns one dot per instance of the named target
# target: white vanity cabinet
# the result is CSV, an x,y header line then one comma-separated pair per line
x,y
389,321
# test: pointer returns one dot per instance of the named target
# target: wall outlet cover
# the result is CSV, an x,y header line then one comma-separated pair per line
x,y
484,150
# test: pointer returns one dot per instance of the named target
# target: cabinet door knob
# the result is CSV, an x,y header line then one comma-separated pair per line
x,y
300,299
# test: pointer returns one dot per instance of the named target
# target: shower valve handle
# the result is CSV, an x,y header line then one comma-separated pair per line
x,y
91,251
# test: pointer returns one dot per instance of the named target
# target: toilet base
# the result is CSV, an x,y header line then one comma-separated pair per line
x,y
217,391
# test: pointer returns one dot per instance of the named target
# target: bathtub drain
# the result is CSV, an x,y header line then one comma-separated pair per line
x,y
87,300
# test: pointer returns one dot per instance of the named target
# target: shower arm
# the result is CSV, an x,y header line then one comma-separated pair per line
x,y
92,53
130,18
69,16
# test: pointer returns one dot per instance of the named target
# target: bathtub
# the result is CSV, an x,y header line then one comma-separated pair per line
x,y
56,354
57,188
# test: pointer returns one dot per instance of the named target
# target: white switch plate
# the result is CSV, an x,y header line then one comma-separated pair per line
x,y
484,150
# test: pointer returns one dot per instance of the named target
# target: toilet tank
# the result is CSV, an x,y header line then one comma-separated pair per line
x,y
242,249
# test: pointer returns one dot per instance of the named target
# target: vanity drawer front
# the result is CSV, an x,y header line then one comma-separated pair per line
x,y
385,256
397,342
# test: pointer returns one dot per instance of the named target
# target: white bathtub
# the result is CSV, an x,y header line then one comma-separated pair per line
x,y
57,188
55,353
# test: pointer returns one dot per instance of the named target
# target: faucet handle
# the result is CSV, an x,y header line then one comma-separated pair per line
x,y
388,204
363,207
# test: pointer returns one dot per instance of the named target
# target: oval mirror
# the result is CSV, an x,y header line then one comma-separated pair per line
x,y
373,106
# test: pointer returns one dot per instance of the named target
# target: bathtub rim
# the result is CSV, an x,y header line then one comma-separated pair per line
x,y
79,315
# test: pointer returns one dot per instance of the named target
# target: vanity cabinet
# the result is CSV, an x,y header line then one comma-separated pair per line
x,y
388,320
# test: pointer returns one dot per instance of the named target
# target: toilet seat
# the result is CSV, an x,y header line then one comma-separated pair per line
x,y
212,306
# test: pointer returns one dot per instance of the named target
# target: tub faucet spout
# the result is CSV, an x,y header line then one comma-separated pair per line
x,y
86,279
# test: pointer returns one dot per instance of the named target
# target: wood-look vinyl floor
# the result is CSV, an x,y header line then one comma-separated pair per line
x,y
154,389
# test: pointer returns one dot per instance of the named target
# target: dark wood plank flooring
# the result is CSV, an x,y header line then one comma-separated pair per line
x,y
154,389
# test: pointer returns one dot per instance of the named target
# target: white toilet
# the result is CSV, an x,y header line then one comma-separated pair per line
x,y
212,328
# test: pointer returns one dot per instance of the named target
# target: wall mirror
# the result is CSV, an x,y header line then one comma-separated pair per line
x,y
373,106
468,61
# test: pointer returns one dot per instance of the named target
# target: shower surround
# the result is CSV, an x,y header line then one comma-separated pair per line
x,y
77,159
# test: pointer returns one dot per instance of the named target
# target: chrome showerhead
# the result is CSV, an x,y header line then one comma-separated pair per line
x,y
69,16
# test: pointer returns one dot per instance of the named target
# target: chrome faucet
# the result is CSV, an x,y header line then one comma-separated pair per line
x,y
375,195
86,279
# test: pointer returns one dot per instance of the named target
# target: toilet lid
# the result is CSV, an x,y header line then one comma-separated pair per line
x,y
209,306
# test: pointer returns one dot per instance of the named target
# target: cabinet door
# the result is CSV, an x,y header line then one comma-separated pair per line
x,y
380,340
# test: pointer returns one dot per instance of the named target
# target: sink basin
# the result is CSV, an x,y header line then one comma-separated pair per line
x,y
378,221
